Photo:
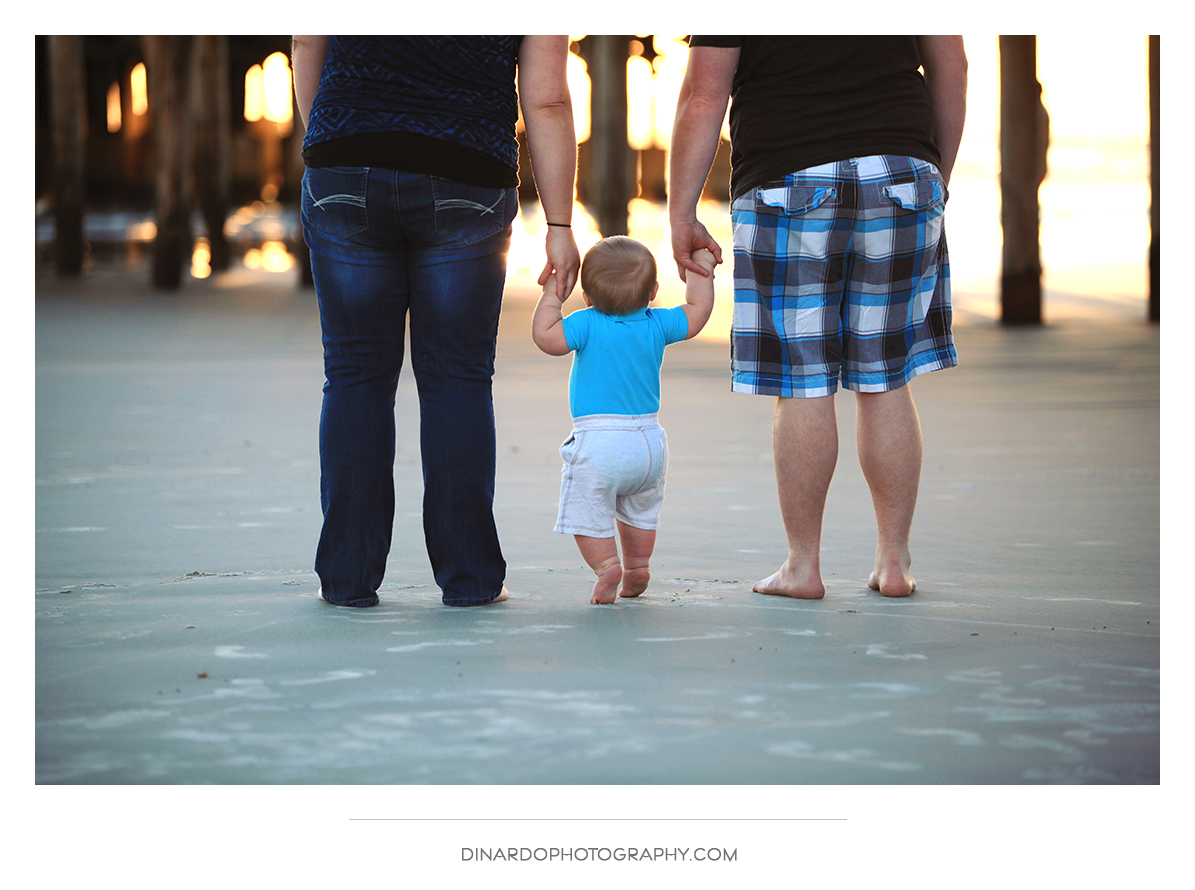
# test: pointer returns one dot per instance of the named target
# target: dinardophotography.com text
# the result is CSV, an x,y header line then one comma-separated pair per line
x,y
598,854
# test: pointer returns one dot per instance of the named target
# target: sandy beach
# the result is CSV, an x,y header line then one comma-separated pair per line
x,y
178,639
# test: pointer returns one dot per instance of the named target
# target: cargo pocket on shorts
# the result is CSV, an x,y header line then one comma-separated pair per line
x,y
925,194
797,200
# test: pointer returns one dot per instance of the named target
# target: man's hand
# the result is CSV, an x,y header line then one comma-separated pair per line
x,y
688,237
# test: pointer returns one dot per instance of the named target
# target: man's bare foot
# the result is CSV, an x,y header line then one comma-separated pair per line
x,y
608,576
891,576
803,586
634,582
500,598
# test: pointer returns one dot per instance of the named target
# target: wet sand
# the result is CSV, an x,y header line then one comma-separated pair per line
x,y
179,640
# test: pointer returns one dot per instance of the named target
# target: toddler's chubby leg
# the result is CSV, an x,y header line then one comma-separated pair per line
x,y
637,547
601,555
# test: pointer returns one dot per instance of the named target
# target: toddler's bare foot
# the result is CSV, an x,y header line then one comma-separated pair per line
x,y
608,574
891,576
634,582
805,585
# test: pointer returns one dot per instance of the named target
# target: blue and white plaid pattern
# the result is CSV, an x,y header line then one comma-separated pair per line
x,y
841,271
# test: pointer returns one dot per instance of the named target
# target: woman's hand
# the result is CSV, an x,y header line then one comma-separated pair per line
x,y
564,261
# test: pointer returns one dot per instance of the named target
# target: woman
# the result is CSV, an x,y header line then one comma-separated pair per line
x,y
408,198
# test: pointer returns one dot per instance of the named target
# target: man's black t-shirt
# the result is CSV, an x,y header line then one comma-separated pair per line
x,y
797,102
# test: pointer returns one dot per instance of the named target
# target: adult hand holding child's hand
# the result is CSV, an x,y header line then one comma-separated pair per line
x,y
705,259
550,287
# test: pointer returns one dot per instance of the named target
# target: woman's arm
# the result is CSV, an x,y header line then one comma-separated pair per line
x,y
552,141
306,62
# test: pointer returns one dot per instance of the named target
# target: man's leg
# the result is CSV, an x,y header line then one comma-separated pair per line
x,y
805,452
889,443
900,255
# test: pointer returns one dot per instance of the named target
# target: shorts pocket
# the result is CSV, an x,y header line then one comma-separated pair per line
x,y
333,200
663,444
569,449
796,200
471,213
925,194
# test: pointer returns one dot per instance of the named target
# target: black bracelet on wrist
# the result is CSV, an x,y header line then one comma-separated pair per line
x,y
561,225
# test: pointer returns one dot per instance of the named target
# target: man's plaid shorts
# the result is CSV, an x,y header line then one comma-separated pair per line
x,y
841,270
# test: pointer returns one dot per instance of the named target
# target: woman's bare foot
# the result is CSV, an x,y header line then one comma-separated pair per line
x,y
634,581
806,585
891,576
609,573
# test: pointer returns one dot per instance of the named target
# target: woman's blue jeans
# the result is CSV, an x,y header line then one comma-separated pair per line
x,y
385,244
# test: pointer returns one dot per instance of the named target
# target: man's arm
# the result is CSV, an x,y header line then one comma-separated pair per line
x,y
700,110
699,293
552,142
547,324
945,64
306,62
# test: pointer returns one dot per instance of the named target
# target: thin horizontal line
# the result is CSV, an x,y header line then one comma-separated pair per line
x,y
583,819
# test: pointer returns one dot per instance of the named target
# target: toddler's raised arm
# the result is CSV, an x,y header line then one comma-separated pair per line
x,y
547,328
699,293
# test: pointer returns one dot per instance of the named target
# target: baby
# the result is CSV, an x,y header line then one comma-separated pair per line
x,y
617,456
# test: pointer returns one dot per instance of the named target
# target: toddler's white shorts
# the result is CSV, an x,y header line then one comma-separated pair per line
x,y
614,467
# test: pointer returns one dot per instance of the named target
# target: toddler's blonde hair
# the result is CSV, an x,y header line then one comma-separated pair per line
x,y
618,275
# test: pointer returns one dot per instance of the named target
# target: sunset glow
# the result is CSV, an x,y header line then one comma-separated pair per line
x,y
272,256
254,94
201,259
268,92
1098,170
577,75
139,96
114,108
640,117
1098,175
277,105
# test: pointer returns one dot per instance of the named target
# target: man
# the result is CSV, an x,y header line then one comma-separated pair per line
x,y
842,148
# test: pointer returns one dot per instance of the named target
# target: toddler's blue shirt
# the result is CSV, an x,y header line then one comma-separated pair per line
x,y
617,358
